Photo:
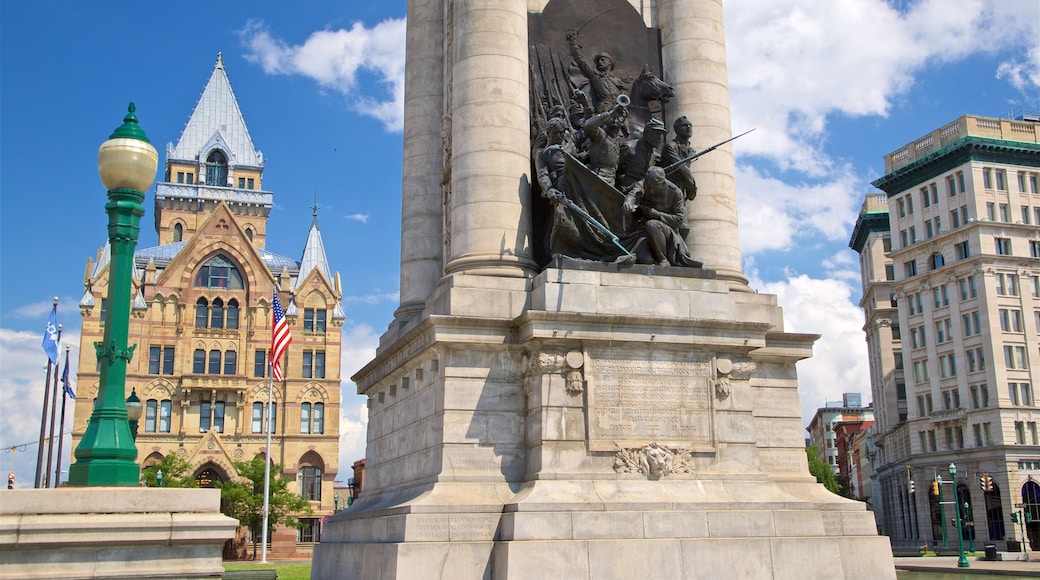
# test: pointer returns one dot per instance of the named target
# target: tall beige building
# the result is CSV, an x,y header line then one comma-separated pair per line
x,y
202,316
950,261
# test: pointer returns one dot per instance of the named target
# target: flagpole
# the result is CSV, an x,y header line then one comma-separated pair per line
x,y
43,427
46,400
54,411
281,337
61,427
267,462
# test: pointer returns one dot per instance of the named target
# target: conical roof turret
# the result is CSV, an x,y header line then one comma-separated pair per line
x,y
314,253
217,122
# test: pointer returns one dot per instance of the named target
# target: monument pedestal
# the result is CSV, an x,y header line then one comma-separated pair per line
x,y
596,421
112,532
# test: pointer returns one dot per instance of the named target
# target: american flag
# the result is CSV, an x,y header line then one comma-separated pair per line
x,y
280,339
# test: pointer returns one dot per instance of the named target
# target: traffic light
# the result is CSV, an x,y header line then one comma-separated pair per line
x,y
1014,517
10,480
912,490
935,488
986,482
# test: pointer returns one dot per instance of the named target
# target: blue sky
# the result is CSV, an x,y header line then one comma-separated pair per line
x,y
830,86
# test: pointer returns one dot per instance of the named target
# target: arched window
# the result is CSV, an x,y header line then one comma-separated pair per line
x,y
994,513
319,419
937,261
216,314
219,272
216,169
258,417
232,314
230,362
249,233
157,416
312,418
310,483
201,313
967,520
208,477
1031,510
178,232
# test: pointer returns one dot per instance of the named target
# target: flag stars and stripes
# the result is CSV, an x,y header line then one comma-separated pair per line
x,y
281,338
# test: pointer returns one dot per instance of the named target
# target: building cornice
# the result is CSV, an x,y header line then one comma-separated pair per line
x,y
866,224
969,148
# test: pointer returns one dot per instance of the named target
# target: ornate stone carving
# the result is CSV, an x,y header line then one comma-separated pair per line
x,y
574,361
725,371
570,364
653,460
722,388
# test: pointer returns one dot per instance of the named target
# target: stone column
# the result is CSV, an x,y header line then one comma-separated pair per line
x,y
693,47
422,231
489,230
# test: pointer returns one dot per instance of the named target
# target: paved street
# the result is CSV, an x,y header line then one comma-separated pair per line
x,y
1009,566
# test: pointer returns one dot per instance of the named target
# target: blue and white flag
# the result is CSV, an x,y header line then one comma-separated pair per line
x,y
65,378
50,338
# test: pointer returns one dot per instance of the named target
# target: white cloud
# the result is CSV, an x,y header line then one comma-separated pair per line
x,y
1022,74
39,310
792,63
334,58
358,217
839,363
21,399
773,213
376,297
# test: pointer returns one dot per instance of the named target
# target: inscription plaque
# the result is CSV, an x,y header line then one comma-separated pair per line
x,y
473,527
633,402
777,403
782,461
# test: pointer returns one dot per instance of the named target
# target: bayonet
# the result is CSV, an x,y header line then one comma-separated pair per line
x,y
693,156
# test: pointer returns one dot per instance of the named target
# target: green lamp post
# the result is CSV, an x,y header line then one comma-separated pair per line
x,y
107,455
962,561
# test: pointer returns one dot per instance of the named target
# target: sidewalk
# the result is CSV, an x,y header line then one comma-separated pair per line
x,y
1010,566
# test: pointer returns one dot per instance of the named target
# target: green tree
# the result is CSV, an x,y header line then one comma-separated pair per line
x,y
243,499
176,472
821,471
845,486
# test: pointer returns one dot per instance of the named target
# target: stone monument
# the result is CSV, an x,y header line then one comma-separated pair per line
x,y
567,399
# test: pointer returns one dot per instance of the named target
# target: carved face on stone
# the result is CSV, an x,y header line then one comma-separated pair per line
x,y
683,128
658,460
604,62
555,130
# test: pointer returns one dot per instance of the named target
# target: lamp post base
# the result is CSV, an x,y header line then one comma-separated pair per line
x,y
107,455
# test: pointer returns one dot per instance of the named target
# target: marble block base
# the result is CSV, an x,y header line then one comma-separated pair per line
x,y
595,421
109,532
598,529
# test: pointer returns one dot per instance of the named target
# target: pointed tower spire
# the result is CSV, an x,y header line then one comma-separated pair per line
x,y
314,251
314,219
217,122
213,161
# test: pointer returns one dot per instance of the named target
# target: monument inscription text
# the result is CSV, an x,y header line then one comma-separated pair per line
x,y
634,402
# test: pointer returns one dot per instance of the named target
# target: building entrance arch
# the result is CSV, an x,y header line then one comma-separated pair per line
x,y
1031,509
